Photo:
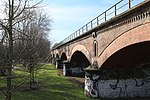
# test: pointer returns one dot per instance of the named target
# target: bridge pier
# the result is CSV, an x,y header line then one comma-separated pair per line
x,y
58,64
103,84
72,69
91,83
92,77
124,88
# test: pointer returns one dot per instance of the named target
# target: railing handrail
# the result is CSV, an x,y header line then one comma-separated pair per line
x,y
88,26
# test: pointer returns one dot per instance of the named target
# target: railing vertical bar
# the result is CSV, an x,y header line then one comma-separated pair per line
x,y
97,21
91,25
129,4
79,31
105,16
86,27
82,30
76,33
115,10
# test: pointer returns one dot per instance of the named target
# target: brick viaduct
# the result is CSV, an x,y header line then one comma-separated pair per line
x,y
110,51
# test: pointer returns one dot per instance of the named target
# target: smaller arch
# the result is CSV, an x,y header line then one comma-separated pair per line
x,y
79,62
82,49
63,57
53,55
57,56
80,58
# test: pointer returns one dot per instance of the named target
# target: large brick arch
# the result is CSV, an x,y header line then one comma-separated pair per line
x,y
83,49
132,36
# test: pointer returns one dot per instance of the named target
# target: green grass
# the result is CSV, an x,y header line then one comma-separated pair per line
x,y
51,87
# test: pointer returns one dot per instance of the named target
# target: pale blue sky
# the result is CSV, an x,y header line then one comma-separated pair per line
x,y
70,15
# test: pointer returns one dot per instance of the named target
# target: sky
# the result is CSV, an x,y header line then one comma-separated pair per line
x,y
70,15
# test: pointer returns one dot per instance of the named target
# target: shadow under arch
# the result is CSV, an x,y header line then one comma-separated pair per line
x,y
83,50
130,37
60,60
80,61
129,62
57,56
63,57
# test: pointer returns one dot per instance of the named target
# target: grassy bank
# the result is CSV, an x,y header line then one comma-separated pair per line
x,y
50,86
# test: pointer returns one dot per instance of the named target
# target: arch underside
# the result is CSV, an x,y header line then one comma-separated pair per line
x,y
79,62
57,56
80,59
129,57
83,50
63,57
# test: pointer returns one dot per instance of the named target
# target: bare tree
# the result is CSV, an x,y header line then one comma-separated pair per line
x,y
12,12
32,45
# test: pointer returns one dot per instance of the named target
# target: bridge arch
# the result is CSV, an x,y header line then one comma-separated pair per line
x,y
57,56
129,57
78,63
63,57
83,50
137,35
79,59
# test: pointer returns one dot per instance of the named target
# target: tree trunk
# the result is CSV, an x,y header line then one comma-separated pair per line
x,y
33,79
30,78
10,51
9,68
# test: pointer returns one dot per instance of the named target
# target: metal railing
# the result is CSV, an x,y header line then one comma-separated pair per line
x,y
103,17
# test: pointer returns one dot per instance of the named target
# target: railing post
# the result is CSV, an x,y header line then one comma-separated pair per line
x,y
79,31
97,21
72,36
76,33
129,4
105,16
115,10
91,25
82,30
86,27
